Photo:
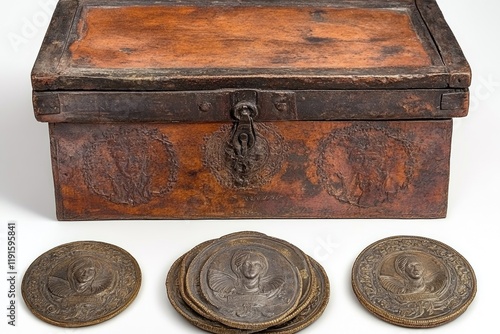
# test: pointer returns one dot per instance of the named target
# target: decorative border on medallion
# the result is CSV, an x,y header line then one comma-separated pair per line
x,y
454,292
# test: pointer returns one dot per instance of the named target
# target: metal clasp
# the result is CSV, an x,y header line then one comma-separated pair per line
x,y
243,137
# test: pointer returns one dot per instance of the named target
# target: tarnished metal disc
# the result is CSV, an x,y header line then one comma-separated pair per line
x,y
413,281
306,317
81,283
193,303
249,281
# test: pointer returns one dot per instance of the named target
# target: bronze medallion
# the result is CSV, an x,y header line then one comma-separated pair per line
x,y
247,282
81,283
413,281
365,165
121,165
241,289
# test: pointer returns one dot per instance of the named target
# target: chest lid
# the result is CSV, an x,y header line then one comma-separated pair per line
x,y
295,44
174,60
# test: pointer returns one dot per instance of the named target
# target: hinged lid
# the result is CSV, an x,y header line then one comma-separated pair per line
x,y
194,45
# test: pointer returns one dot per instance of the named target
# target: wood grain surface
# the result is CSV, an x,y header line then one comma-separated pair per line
x,y
246,37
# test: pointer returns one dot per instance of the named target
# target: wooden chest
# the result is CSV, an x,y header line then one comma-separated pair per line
x,y
231,109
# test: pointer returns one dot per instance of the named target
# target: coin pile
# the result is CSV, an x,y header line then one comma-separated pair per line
x,y
248,282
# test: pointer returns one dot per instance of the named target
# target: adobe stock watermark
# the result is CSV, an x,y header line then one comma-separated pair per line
x,y
32,25
484,89
325,247
11,273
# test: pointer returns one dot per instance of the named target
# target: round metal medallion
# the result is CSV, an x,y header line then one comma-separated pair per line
x,y
81,283
247,282
241,289
306,317
413,281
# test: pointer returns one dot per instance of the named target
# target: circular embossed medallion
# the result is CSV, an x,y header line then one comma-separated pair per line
x,y
306,317
81,283
130,165
235,165
248,282
365,165
413,281
249,286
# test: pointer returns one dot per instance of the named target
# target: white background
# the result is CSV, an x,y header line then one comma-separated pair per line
x,y
472,226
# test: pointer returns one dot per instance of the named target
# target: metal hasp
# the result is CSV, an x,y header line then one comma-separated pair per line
x,y
243,152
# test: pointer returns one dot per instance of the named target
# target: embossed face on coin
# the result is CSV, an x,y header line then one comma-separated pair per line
x,y
253,266
413,273
249,285
84,276
248,280
81,283
413,281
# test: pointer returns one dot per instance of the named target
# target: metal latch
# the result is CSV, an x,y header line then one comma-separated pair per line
x,y
243,136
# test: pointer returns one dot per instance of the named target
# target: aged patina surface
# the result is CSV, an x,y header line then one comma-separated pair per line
x,y
248,282
254,109
81,283
413,281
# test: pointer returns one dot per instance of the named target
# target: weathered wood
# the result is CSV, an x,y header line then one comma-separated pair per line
x,y
218,37
380,169
453,57
292,45
215,106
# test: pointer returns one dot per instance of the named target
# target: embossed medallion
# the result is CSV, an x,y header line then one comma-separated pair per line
x,y
241,162
81,283
130,165
246,282
316,306
250,285
365,165
285,258
413,281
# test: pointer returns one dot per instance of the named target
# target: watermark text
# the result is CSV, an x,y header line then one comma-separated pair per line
x,y
11,272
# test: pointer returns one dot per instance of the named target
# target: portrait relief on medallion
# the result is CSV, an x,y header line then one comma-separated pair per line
x,y
85,276
413,281
414,276
248,288
365,165
81,283
81,289
245,160
130,165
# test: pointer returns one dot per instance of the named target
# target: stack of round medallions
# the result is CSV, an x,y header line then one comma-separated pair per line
x,y
248,282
